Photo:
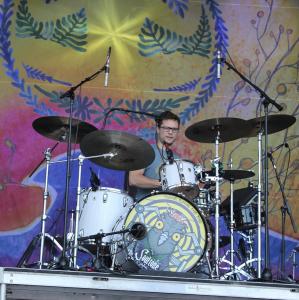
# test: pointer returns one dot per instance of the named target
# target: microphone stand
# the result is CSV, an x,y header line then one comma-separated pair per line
x,y
63,261
127,111
267,273
285,208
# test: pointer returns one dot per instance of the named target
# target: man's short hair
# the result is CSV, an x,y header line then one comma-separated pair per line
x,y
167,115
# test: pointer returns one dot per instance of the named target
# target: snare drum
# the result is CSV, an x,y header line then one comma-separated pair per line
x,y
177,234
179,177
100,210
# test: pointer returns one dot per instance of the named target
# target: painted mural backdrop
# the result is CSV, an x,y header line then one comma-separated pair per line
x,y
163,58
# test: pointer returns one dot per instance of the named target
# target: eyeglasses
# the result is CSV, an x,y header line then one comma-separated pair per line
x,y
170,129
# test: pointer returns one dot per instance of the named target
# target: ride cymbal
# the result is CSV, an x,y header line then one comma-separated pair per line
x,y
229,129
275,123
57,128
132,152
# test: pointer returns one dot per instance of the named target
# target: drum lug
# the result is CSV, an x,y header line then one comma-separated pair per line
x,y
164,184
105,197
182,177
125,201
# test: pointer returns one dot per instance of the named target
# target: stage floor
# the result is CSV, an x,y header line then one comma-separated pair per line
x,y
20,284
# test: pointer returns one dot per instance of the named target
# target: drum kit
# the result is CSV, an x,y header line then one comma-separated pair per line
x,y
170,229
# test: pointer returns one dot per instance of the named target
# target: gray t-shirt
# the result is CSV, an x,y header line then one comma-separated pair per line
x,y
152,171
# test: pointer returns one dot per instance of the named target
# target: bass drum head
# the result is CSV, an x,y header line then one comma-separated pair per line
x,y
176,237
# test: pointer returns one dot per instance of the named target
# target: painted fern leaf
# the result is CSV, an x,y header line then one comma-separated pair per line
x,y
185,87
156,106
201,41
70,31
178,6
26,25
155,39
39,75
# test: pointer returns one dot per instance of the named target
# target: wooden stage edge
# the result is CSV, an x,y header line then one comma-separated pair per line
x,y
17,283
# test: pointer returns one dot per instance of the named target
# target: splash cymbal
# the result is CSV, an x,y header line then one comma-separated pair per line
x,y
132,152
57,128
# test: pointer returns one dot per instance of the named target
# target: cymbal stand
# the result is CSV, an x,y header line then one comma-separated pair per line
x,y
245,269
81,159
266,100
217,203
259,205
294,263
44,216
70,93
232,221
285,209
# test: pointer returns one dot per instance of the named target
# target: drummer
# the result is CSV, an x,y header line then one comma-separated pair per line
x,y
146,180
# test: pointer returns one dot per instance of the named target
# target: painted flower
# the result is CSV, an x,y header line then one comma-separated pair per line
x,y
247,62
281,89
239,85
81,108
260,14
281,28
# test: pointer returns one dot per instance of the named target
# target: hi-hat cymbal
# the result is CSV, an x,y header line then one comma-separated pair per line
x,y
275,123
232,174
206,131
133,152
57,128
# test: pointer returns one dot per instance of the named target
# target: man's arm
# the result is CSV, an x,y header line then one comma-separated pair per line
x,y
137,178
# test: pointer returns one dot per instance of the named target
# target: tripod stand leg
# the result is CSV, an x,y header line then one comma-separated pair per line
x,y
28,252
32,246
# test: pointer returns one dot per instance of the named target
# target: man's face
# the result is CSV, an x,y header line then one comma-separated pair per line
x,y
168,131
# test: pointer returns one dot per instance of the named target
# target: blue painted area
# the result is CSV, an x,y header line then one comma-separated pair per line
x,y
13,244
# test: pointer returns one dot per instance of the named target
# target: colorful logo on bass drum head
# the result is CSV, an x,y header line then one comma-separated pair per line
x,y
176,236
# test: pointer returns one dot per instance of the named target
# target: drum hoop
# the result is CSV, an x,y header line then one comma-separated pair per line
x,y
201,213
198,210
178,160
183,184
114,190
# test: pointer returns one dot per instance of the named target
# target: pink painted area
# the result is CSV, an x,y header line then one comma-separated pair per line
x,y
19,206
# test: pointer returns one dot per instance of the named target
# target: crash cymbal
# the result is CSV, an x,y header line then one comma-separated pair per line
x,y
275,123
133,152
206,131
241,197
56,128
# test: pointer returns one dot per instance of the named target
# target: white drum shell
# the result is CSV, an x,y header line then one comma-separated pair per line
x,y
100,210
179,177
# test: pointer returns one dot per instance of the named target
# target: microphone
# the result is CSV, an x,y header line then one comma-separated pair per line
x,y
138,231
218,64
169,153
277,147
94,180
107,67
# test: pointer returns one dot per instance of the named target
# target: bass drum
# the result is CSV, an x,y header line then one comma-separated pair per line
x,y
177,234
